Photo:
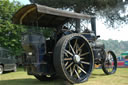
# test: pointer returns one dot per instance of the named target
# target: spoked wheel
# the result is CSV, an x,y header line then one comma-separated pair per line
x,y
73,58
110,64
1,69
44,77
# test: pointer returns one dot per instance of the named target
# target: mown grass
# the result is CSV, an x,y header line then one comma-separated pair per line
x,y
97,78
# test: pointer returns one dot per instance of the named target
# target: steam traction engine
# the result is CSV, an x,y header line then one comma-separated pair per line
x,y
65,53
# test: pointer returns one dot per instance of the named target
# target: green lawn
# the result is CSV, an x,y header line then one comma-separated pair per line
x,y
97,78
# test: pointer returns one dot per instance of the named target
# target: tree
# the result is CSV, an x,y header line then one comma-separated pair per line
x,y
116,46
109,9
10,34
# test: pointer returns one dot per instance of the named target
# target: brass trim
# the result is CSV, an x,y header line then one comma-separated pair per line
x,y
28,11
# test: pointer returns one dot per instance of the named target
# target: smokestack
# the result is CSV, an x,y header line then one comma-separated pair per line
x,y
93,24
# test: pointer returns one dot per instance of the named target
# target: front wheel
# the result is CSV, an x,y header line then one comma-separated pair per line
x,y
73,58
109,66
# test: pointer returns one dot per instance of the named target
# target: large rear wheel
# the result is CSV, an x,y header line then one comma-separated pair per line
x,y
110,64
73,58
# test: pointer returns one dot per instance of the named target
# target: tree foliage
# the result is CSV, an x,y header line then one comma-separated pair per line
x,y
116,46
10,34
111,10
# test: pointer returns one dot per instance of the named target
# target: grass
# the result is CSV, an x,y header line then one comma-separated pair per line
x,y
97,78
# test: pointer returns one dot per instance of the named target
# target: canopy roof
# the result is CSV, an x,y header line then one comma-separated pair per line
x,y
44,16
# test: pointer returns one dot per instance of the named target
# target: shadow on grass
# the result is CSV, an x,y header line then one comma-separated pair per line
x,y
30,81
97,75
7,72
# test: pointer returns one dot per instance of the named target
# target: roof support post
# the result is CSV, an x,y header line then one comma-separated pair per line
x,y
78,25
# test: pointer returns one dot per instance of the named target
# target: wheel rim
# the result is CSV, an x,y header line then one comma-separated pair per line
x,y
76,61
110,63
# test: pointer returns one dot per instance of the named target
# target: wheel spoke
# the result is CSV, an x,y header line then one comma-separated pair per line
x,y
85,62
82,58
82,65
77,69
72,48
81,46
66,59
109,67
75,44
77,47
109,56
82,69
77,74
69,65
68,52
84,54
80,52
71,73
73,69
66,64
111,59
